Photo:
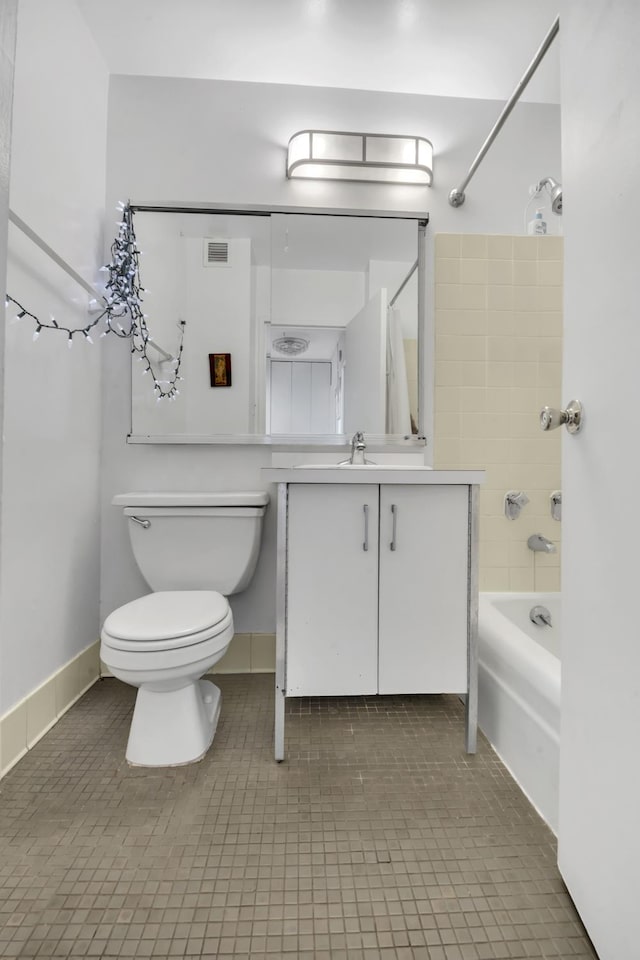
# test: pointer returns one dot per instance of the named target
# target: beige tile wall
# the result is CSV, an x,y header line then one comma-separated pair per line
x,y
498,321
249,653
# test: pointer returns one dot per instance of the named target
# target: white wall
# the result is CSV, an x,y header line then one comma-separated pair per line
x,y
226,142
390,275
599,840
8,23
215,303
222,298
323,298
183,140
49,582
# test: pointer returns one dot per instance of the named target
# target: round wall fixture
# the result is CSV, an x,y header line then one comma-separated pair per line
x,y
290,345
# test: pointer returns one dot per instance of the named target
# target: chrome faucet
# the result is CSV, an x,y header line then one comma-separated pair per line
x,y
358,447
540,544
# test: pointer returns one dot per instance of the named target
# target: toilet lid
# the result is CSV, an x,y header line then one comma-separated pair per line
x,y
167,615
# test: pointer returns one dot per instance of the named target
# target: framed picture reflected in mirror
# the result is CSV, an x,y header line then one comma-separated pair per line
x,y
220,369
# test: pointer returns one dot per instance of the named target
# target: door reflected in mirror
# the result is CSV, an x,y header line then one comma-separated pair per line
x,y
305,374
318,315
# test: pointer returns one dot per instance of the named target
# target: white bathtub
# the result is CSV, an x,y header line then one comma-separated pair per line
x,y
519,692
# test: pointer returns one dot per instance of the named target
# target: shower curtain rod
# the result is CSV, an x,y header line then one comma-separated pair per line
x,y
456,197
51,253
403,284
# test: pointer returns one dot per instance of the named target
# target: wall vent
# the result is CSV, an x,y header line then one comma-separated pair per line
x,y
216,253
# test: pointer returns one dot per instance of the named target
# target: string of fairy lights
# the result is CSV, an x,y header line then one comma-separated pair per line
x,y
121,311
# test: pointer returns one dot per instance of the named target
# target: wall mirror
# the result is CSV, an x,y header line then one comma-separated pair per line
x,y
298,327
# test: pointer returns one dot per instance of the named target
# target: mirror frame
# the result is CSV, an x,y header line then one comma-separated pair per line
x,y
318,442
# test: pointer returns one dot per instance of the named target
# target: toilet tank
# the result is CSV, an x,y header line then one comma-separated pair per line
x,y
195,541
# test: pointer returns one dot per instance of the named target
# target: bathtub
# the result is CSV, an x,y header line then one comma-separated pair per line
x,y
519,692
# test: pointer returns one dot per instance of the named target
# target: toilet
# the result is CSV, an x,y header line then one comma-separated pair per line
x,y
194,550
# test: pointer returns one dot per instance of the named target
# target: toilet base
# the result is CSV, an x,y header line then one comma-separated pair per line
x,y
172,727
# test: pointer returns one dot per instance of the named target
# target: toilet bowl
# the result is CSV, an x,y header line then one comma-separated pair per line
x,y
162,644
186,546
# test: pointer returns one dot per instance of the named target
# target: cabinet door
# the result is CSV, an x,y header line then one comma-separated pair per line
x,y
332,590
423,589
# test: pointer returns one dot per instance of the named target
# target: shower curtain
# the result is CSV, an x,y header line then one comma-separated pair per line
x,y
398,414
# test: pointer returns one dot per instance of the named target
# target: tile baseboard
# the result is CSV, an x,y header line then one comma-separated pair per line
x,y
26,722
249,653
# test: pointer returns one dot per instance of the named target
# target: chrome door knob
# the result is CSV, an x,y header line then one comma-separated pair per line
x,y
550,418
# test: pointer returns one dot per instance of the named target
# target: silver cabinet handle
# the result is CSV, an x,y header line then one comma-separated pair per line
x,y
143,523
365,545
394,517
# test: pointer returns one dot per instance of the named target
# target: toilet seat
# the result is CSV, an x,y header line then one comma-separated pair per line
x,y
168,620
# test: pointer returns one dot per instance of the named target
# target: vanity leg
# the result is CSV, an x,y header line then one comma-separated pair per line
x,y
471,724
471,701
279,725
281,618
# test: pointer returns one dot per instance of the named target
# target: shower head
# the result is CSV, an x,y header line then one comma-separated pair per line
x,y
555,190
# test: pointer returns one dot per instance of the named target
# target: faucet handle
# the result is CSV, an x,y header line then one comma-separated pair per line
x,y
555,499
514,501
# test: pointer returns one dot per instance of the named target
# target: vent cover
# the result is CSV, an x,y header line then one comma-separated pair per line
x,y
216,253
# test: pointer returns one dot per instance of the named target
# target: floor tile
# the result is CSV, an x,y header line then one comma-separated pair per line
x,y
378,837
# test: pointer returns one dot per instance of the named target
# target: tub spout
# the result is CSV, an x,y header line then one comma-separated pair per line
x,y
540,544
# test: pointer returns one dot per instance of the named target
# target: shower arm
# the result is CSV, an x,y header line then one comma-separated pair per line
x,y
457,196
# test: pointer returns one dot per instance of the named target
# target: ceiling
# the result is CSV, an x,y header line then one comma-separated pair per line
x,y
457,48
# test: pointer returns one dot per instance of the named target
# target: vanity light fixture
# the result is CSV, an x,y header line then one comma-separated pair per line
x,y
369,157
292,346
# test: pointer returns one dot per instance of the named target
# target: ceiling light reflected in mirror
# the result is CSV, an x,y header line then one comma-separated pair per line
x,y
292,346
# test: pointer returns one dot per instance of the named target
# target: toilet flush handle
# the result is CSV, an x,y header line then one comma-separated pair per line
x,y
143,523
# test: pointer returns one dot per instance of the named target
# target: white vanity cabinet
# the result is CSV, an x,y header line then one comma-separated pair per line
x,y
423,577
376,589
332,590
377,585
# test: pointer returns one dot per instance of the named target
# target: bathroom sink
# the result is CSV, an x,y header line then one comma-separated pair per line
x,y
361,466
350,473
384,466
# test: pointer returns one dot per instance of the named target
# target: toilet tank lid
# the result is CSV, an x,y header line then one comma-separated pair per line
x,y
233,498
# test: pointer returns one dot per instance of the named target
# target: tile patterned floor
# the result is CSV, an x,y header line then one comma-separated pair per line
x,y
377,838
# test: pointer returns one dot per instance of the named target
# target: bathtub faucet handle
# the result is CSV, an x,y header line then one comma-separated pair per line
x,y
514,501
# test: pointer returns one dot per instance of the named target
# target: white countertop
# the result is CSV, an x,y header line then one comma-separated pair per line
x,y
378,473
